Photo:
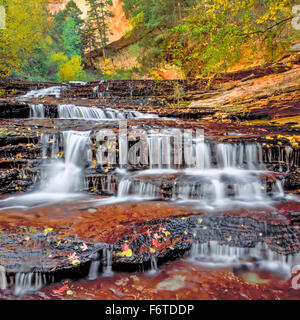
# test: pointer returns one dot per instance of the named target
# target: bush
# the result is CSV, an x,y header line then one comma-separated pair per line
x,y
72,70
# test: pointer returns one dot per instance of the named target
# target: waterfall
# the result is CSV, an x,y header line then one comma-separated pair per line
x,y
27,282
238,156
94,270
3,280
37,111
70,111
107,266
228,174
260,257
66,177
54,91
210,187
153,261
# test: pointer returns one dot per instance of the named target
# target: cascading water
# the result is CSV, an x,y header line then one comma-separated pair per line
x,y
259,258
211,175
3,280
65,177
231,174
154,268
54,91
62,180
37,111
107,265
94,267
27,282
70,111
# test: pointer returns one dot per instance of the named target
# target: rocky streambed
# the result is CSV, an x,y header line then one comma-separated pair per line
x,y
105,178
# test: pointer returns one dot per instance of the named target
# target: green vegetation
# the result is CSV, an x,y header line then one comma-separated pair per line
x,y
97,27
41,47
196,37
203,37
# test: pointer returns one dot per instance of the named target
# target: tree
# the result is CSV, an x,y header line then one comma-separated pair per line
x,y
65,27
152,19
71,38
27,23
207,37
71,70
97,16
89,38
216,34
59,51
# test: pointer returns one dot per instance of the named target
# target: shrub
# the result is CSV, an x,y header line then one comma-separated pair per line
x,y
72,70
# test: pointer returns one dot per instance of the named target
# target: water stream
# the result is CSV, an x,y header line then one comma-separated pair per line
x,y
210,176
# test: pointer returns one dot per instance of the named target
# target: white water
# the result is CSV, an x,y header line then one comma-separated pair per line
x,y
94,268
234,178
65,177
27,282
54,91
107,266
68,111
260,258
3,280
62,181
226,175
154,267
37,111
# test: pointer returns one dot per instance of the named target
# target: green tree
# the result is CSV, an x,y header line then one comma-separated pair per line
x,y
98,14
52,58
216,34
27,23
207,37
75,28
152,19
71,38
89,38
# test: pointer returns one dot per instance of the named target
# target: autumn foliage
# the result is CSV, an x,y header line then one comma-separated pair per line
x,y
26,25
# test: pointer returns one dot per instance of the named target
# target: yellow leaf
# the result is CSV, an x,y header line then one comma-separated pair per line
x,y
75,262
47,230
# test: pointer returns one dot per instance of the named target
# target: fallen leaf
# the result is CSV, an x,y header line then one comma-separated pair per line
x,y
125,247
156,243
60,290
75,262
84,247
73,256
47,230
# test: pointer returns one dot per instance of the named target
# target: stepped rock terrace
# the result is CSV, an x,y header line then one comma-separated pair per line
x,y
135,176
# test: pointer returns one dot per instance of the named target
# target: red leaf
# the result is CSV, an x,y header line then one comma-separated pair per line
x,y
125,247
61,290
155,242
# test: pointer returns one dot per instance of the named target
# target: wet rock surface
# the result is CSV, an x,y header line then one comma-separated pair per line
x,y
253,111
78,234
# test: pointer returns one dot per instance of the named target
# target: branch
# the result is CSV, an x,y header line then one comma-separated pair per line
x,y
273,26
